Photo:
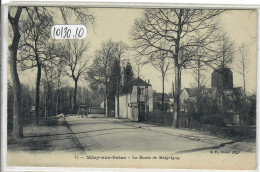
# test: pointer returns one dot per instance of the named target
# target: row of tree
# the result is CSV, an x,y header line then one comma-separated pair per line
x,y
109,65
53,100
184,39
31,47
166,38
238,107
54,61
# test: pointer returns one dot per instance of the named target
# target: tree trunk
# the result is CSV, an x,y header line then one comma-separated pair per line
x,y
17,116
198,79
105,110
176,111
37,96
118,87
75,95
244,81
163,77
244,77
117,96
45,106
222,107
138,100
71,101
48,100
57,99
106,101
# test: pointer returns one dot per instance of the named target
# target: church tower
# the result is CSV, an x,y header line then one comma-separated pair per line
x,y
222,78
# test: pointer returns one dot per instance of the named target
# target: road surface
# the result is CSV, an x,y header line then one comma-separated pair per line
x,y
97,134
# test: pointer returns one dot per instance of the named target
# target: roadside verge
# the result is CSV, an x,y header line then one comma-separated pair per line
x,y
195,135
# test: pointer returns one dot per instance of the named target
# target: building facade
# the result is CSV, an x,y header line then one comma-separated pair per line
x,y
135,99
168,102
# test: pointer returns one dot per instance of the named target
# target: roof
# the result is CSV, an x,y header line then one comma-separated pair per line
x,y
191,92
135,82
235,91
139,82
159,95
223,70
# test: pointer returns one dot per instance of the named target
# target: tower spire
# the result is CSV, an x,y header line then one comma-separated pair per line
x,y
172,89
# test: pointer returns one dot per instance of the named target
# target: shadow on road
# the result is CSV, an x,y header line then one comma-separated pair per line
x,y
72,123
106,134
208,148
109,129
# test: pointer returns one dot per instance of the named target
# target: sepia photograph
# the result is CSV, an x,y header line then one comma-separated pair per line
x,y
121,87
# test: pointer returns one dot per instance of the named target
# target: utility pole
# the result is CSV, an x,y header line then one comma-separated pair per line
x,y
118,86
138,93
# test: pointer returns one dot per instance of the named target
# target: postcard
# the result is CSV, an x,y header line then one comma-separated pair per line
x,y
130,87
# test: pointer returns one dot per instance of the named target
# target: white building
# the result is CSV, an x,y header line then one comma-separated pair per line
x,y
134,92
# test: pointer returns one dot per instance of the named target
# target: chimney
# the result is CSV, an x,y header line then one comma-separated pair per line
x,y
148,81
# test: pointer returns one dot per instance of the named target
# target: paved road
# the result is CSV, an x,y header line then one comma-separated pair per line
x,y
96,133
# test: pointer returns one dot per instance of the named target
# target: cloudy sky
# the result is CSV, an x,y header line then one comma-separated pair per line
x,y
116,24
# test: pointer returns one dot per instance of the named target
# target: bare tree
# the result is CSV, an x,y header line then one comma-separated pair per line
x,y
77,64
35,33
48,80
57,67
224,52
198,68
81,14
100,71
52,73
17,116
163,64
128,74
180,33
14,17
224,56
243,64
120,51
60,83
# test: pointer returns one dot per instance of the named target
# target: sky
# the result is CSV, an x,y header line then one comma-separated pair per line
x,y
116,24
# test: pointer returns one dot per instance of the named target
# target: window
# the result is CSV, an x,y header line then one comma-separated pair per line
x,y
141,91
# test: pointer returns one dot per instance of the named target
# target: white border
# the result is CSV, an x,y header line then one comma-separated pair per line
x,y
258,93
4,64
135,4
187,2
228,4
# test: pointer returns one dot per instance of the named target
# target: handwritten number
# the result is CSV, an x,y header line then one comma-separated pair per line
x,y
58,32
61,32
65,32
76,33
68,31
53,32
81,29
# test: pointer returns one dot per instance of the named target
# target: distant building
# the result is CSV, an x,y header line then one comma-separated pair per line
x,y
222,78
168,101
188,95
136,91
